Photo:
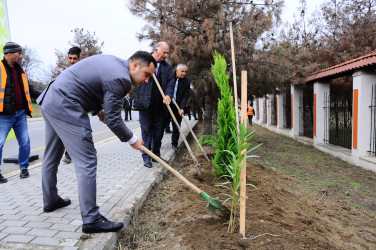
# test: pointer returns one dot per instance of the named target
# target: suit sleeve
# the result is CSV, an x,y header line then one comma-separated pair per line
x,y
170,83
112,104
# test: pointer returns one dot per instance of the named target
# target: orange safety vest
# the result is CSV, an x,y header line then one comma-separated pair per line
x,y
3,77
250,111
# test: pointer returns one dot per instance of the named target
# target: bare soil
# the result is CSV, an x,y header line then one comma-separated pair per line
x,y
304,199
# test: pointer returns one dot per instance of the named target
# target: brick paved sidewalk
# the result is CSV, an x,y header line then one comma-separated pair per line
x,y
122,186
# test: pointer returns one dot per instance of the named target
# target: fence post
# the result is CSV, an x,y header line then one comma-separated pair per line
x,y
362,99
296,119
320,89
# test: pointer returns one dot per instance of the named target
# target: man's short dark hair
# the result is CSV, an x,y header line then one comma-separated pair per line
x,y
74,51
144,58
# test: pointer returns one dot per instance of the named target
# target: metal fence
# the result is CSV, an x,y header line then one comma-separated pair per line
x,y
372,140
273,110
306,112
287,109
339,128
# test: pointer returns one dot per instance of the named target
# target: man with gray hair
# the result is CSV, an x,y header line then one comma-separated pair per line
x,y
181,95
148,100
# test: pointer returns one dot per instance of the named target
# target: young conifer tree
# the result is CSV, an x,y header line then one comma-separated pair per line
x,y
222,139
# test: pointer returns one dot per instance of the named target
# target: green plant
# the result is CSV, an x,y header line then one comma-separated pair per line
x,y
234,167
222,139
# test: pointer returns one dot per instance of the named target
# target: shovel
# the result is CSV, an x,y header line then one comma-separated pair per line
x,y
180,130
213,205
186,122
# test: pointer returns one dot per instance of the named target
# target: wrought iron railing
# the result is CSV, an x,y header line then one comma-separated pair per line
x,y
372,139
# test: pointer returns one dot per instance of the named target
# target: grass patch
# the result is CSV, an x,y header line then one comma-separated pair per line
x,y
354,184
315,170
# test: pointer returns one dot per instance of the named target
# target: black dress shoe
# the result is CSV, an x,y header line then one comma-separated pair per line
x,y
161,159
3,179
168,131
102,225
148,164
24,173
175,148
60,203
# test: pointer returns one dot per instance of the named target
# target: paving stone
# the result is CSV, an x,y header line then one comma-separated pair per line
x,y
46,241
58,220
18,238
2,236
35,218
69,235
13,223
11,216
16,230
42,232
38,224
64,227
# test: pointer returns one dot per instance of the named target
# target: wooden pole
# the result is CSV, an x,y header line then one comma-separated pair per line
x,y
243,173
234,76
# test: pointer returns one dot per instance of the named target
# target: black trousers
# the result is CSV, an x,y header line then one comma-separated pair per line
x,y
175,129
152,129
128,111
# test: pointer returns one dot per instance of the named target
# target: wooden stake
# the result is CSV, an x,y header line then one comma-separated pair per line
x,y
243,174
234,76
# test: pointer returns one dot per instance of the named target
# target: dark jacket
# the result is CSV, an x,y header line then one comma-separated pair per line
x,y
9,97
127,105
182,93
143,93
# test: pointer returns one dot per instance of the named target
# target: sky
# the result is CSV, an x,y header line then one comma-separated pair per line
x,y
45,25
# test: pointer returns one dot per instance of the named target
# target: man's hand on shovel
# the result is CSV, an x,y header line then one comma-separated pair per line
x,y
167,100
138,144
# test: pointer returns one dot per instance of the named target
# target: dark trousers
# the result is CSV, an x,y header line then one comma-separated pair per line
x,y
250,117
175,129
152,128
128,111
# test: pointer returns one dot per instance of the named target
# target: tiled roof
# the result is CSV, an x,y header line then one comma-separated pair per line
x,y
340,69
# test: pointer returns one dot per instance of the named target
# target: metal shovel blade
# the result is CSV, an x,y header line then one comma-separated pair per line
x,y
213,204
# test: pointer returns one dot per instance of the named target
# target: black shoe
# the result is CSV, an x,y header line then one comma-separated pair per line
x,y
3,179
148,164
24,173
175,148
161,159
168,131
102,225
126,120
60,203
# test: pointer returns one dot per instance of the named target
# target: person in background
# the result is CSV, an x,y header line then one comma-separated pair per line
x,y
151,105
181,95
73,57
250,113
15,104
97,84
127,106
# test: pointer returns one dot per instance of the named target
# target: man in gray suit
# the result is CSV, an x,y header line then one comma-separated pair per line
x,y
97,84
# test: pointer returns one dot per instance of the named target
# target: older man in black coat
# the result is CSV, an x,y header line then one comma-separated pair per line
x,y
181,95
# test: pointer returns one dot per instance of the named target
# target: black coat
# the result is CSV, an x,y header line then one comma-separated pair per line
x,y
182,93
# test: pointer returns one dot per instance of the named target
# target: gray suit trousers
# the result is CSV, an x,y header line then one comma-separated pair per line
x,y
79,143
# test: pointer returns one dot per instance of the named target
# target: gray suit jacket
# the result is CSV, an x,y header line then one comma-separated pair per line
x,y
97,82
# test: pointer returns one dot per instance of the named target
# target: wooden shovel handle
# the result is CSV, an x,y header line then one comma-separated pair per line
x,y
173,171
